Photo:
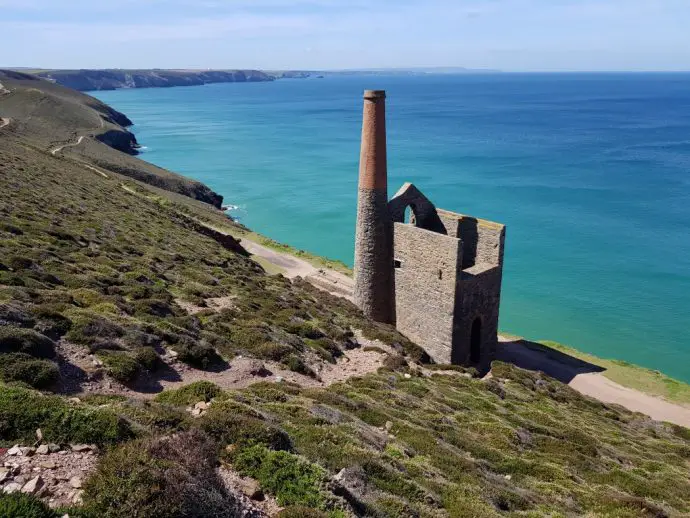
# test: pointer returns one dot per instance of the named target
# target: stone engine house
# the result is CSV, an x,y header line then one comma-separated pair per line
x,y
436,275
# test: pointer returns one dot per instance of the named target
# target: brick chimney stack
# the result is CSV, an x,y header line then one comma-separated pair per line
x,y
374,274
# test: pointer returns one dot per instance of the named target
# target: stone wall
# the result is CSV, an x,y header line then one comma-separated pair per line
x,y
482,240
479,298
426,275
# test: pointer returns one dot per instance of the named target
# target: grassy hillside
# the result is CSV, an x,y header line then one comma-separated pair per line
x,y
50,116
100,263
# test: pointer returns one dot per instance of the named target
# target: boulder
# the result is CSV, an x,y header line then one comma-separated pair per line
x,y
43,449
12,487
14,451
33,486
76,482
79,448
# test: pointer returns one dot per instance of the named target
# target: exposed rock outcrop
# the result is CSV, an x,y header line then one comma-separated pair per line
x,y
120,139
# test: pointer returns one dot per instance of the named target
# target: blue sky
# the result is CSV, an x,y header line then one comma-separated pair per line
x,y
512,35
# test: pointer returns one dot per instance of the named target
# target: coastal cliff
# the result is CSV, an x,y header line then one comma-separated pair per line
x,y
114,79
74,125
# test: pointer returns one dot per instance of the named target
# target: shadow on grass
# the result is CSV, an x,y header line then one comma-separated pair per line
x,y
537,357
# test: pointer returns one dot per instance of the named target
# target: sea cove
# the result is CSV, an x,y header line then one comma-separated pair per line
x,y
589,173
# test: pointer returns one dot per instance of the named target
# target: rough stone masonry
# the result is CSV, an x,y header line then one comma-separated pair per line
x,y
436,277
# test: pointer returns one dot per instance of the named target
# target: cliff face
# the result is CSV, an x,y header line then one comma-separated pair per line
x,y
86,80
119,139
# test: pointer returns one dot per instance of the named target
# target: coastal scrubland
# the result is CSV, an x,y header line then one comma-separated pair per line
x,y
108,264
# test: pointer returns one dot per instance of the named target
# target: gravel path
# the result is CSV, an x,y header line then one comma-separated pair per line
x,y
589,380
60,148
328,280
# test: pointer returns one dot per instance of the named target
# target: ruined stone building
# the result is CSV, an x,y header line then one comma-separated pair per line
x,y
436,277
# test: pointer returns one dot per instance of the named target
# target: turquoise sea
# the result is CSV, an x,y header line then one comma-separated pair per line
x,y
590,172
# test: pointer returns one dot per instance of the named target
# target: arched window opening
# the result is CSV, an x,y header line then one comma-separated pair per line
x,y
476,341
409,217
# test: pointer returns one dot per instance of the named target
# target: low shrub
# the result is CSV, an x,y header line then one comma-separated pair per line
x,y
120,365
11,314
154,307
231,423
153,418
293,480
18,339
190,394
196,353
86,329
172,477
272,351
296,364
147,358
19,505
22,411
394,362
38,373
52,324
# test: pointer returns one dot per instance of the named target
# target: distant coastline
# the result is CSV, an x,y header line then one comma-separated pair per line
x,y
86,80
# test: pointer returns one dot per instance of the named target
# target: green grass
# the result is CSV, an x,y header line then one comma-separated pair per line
x,y
629,375
18,505
291,479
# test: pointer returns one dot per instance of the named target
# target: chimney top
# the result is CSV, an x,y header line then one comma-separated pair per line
x,y
374,94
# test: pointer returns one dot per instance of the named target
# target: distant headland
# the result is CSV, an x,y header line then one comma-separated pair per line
x,y
86,80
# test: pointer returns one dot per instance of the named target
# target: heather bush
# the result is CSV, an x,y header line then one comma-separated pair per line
x,y
38,373
190,394
168,477
28,341
22,411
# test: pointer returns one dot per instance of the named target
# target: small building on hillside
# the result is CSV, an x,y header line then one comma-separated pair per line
x,y
435,275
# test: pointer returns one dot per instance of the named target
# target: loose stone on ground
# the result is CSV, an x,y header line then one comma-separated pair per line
x,y
53,473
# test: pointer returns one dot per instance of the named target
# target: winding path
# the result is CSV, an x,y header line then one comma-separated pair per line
x,y
583,378
60,148
328,280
